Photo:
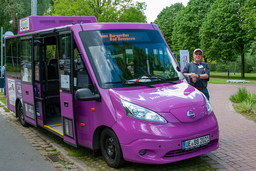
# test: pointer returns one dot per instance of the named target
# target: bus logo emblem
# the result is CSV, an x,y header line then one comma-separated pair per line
x,y
191,114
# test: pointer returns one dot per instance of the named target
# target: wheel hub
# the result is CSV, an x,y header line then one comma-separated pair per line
x,y
111,147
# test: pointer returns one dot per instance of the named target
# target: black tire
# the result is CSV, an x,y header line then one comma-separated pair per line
x,y
21,116
110,148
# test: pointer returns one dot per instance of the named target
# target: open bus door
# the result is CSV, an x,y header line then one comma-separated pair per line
x,y
66,54
27,81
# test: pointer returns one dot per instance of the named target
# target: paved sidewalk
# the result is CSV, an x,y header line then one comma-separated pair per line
x,y
237,149
45,147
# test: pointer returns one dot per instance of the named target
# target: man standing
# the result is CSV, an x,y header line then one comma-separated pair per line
x,y
199,72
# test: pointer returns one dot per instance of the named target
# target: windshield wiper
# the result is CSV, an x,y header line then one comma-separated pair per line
x,y
158,77
142,83
127,82
117,82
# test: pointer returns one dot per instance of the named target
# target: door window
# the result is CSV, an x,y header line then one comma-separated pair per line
x,y
64,61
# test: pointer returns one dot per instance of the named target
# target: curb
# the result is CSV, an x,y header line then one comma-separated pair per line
x,y
63,152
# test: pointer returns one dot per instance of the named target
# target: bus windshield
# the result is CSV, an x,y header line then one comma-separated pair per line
x,y
129,57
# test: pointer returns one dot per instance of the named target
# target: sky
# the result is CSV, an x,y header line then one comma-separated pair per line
x,y
154,7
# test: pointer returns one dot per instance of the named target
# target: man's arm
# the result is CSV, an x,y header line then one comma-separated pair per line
x,y
186,74
203,76
194,76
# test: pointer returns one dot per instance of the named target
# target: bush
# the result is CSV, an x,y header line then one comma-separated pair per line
x,y
247,102
240,96
244,107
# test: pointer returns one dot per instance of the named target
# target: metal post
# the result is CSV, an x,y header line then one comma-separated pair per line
x,y
33,7
2,48
2,34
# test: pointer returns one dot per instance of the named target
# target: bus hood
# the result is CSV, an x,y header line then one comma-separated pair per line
x,y
175,99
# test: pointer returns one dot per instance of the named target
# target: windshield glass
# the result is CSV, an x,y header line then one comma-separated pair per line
x,y
129,57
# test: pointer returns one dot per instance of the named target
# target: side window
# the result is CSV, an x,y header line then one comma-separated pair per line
x,y
26,60
12,58
64,61
81,75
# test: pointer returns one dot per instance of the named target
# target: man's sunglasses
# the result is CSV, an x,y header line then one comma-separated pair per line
x,y
198,53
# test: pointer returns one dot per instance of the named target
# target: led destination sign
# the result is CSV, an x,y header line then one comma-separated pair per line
x,y
119,37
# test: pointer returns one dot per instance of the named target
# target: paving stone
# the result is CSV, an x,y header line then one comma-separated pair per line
x,y
38,148
43,152
50,149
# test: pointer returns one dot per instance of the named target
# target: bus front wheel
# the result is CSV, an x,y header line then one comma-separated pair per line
x,y
110,148
21,116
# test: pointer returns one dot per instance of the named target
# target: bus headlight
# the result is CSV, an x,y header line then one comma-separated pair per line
x,y
208,105
138,112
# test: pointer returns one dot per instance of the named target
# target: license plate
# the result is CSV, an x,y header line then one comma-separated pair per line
x,y
195,143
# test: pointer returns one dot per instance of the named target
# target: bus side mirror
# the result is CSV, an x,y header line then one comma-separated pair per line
x,y
85,94
178,68
189,79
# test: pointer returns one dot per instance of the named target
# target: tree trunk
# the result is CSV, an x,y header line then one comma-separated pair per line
x,y
242,59
242,67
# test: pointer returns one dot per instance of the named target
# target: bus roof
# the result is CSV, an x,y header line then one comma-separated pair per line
x,y
35,23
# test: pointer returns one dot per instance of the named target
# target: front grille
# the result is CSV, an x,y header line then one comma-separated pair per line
x,y
181,152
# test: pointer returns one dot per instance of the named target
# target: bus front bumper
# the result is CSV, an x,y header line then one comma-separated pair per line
x,y
163,151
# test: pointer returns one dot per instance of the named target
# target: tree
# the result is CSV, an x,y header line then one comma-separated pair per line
x,y
249,15
165,21
134,13
187,24
4,17
221,34
103,10
17,9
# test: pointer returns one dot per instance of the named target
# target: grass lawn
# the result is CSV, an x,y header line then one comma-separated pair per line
x,y
222,77
2,98
232,76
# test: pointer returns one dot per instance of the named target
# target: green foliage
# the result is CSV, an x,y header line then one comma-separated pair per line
x,y
249,64
221,33
187,24
249,15
3,99
132,15
240,96
236,76
4,17
165,21
103,10
247,104
17,9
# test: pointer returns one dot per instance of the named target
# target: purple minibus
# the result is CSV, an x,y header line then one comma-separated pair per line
x,y
110,87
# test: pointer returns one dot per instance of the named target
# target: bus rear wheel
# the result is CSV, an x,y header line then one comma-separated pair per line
x,y
21,116
110,148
